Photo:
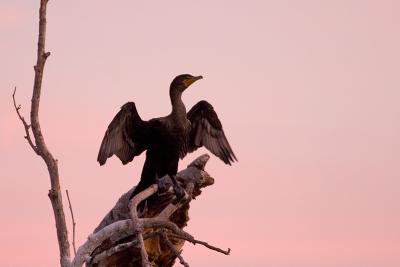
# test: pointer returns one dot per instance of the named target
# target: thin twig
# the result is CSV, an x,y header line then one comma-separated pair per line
x,y
73,223
26,125
177,253
195,241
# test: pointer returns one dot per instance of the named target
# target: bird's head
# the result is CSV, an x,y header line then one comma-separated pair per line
x,y
183,81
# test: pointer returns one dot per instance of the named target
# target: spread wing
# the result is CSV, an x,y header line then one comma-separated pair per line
x,y
123,137
206,130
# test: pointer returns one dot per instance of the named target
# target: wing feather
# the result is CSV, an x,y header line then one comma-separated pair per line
x,y
121,138
206,130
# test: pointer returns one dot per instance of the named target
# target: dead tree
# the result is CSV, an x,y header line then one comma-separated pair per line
x,y
125,237
155,236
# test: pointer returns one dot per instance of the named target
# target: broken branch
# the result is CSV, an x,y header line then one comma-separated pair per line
x,y
195,241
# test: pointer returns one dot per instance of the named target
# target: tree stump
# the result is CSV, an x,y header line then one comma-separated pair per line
x,y
122,250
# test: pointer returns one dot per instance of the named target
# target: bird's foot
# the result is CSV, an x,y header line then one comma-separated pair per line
x,y
163,185
179,190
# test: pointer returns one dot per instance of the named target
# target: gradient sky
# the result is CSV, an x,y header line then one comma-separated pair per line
x,y
308,93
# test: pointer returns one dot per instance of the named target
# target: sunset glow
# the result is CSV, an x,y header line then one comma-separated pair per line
x,y
308,93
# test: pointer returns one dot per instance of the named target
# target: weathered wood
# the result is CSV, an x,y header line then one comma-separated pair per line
x,y
39,145
124,237
159,253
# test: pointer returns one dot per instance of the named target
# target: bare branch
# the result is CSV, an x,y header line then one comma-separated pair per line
x,y
156,223
40,147
171,208
125,228
94,240
195,241
138,224
107,253
121,247
26,125
73,222
173,249
161,215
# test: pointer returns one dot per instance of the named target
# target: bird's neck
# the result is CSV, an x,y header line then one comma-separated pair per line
x,y
178,108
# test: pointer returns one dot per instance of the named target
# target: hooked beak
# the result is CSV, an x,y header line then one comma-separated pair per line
x,y
188,82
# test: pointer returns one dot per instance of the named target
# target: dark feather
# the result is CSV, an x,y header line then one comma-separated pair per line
x,y
166,139
206,130
119,138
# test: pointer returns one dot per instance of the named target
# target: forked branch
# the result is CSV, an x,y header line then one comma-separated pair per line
x,y
39,145
24,123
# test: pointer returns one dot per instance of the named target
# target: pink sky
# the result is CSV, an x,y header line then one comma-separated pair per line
x,y
308,93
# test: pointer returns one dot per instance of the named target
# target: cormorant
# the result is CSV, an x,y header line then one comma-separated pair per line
x,y
166,139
